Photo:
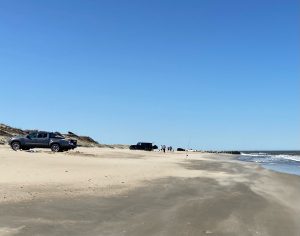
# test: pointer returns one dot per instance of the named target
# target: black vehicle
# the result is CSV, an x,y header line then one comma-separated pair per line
x,y
143,146
42,139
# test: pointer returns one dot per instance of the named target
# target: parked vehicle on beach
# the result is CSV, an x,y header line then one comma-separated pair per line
x,y
41,139
143,146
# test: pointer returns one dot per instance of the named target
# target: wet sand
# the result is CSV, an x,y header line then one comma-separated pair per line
x,y
119,192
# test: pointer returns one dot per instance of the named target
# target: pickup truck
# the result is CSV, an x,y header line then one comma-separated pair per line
x,y
143,146
41,139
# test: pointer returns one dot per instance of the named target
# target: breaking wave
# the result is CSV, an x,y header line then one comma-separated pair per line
x,y
262,157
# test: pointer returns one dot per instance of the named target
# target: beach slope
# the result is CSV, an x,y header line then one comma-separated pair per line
x,y
99,191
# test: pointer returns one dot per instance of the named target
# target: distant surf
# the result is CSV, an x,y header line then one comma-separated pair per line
x,y
281,161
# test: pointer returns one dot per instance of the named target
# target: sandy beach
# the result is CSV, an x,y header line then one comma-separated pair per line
x,y
102,191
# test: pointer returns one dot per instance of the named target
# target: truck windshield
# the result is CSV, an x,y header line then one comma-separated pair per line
x,y
32,135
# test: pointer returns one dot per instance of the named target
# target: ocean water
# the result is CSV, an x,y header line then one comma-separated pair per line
x,y
281,161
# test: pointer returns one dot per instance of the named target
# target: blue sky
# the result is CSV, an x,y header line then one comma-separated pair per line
x,y
215,74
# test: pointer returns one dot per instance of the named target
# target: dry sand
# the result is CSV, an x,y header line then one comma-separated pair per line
x,y
98,191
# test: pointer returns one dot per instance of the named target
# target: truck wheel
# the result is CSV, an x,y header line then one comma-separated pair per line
x,y
55,147
16,146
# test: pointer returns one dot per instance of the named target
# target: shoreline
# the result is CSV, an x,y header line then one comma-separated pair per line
x,y
278,161
95,191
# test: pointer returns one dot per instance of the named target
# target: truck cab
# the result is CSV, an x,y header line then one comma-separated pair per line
x,y
37,139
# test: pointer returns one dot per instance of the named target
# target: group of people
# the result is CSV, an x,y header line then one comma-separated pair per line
x,y
164,148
